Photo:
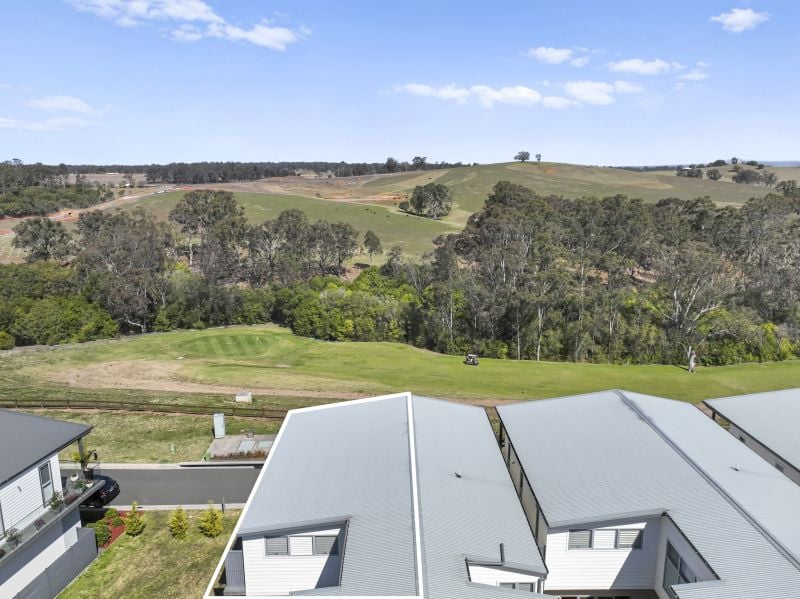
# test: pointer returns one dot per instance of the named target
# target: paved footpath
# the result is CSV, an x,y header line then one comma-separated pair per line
x,y
167,485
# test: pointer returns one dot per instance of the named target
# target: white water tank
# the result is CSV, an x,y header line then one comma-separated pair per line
x,y
219,426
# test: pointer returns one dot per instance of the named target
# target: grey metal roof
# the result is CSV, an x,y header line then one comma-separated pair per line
x,y
771,418
611,453
26,439
354,460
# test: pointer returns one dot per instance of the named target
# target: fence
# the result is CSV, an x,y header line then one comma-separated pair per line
x,y
135,406
63,570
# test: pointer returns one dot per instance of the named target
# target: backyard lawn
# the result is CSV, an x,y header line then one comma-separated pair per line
x,y
154,564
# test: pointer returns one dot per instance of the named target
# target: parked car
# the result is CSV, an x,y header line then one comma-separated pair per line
x,y
105,494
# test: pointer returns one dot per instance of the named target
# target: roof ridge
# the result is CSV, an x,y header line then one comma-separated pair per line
x,y
632,405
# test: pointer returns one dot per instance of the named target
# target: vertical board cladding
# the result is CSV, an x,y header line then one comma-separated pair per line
x,y
671,533
301,570
603,567
493,575
21,497
790,471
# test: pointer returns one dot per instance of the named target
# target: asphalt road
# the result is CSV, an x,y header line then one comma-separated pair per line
x,y
179,485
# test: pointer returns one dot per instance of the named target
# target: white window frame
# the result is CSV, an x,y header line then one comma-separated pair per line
x,y
43,485
266,540
591,539
639,538
334,546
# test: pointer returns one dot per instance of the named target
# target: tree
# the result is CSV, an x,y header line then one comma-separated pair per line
x,y
210,523
522,156
433,200
199,210
391,165
43,239
769,178
714,174
734,160
538,157
747,176
178,523
372,244
419,162
787,188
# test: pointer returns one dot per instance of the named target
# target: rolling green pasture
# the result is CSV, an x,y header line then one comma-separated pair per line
x,y
268,357
413,234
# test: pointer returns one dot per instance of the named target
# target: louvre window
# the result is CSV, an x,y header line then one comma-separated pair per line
x,y
277,545
520,586
580,539
327,545
629,538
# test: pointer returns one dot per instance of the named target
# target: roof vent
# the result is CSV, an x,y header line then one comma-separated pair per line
x,y
458,473
735,467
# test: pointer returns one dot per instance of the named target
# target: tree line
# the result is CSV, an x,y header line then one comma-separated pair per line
x,y
530,277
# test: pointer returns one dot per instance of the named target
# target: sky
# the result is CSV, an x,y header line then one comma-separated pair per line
x,y
609,83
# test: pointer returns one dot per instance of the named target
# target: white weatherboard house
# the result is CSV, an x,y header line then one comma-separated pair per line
x,y
395,496
768,424
642,497
50,547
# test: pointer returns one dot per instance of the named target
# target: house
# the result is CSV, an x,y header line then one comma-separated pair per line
x,y
767,424
42,544
641,497
397,495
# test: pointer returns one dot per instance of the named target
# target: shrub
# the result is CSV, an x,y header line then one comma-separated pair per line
x,y
102,534
178,523
56,502
6,340
113,518
13,536
39,523
134,521
210,523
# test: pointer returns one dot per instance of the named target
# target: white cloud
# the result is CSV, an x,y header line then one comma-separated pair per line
x,y
62,104
740,19
598,92
550,55
557,102
186,33
643,67
54,124
580,61
275,38
626,87
485,95
694,75
188,14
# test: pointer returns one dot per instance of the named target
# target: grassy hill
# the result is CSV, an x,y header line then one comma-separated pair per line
x,y
470,185
412,233
274,364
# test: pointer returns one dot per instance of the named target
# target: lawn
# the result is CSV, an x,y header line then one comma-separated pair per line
x,y
122,437
154,564
413,234
286,370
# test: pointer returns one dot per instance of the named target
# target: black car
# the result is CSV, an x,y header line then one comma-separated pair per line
x,y
105,494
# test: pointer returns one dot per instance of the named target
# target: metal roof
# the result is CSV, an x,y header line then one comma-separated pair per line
x,y
611,453
771,418
26,439
388,465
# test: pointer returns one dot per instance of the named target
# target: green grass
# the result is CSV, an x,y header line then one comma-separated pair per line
x,y
413,234
470,185
269,357
123,437
154,564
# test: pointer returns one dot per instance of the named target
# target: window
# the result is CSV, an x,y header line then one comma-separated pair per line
x,y
46,482
580,539
520,586
676,571
629,538
277,546
326,545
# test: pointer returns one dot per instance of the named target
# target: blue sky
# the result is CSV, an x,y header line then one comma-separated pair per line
x,y
625,82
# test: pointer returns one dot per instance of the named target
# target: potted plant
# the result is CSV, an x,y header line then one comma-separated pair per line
x,y
39,523
13,537
56,502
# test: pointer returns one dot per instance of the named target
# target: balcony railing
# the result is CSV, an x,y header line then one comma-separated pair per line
x,y
73,496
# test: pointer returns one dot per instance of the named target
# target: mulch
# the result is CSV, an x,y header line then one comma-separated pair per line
x,y
116,531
